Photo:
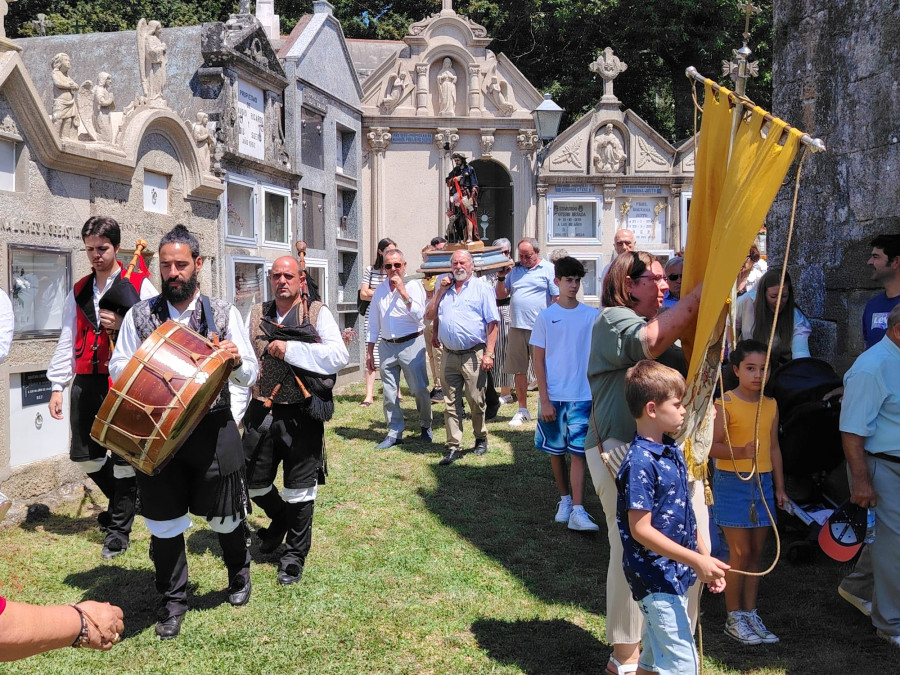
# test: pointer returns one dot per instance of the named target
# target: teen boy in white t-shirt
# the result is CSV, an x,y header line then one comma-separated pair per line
x,y
561,340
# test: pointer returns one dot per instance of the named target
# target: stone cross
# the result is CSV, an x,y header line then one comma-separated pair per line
x,y
446,5
748,9
608,66
42,23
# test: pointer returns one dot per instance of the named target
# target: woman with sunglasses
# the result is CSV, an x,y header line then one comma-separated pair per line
x,y
628,330
373,276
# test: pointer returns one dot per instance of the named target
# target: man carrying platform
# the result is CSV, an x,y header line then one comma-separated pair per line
x,y
206,476
300,351
82,358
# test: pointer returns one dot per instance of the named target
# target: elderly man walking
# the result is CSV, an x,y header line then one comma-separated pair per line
x,y
467,327
397,314
531,288
870,430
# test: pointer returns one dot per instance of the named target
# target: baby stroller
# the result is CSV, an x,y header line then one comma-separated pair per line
x,y
814,470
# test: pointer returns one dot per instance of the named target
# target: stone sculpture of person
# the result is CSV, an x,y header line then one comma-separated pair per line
x,y
497,92
65,111
153,60
204,140
447,88
396,90
104,104
609,156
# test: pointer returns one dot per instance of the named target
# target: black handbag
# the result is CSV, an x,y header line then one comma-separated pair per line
x,y
362,306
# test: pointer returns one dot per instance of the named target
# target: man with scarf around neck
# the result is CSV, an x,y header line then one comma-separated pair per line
x,y
206,476
285,423
82,359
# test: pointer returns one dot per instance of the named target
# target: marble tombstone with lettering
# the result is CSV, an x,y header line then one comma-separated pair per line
x,y
611,170
438,91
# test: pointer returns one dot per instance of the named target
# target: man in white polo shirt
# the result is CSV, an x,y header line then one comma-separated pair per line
x,y
397,315
531,288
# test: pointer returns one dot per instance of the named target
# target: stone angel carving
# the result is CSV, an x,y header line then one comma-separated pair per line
x,y
95,104
152,61
398,86
65,109
203,139
497,90
609,155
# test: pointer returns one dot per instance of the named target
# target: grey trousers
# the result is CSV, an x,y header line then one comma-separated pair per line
x,y
408,357
886,547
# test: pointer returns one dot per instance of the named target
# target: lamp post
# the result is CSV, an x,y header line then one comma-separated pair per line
x,y
547,117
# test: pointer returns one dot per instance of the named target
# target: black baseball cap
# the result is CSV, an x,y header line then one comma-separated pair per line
x,y
843,533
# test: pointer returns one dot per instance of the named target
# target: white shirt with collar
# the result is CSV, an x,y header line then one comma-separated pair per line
x,y
326,357
241,378
390,317
62,365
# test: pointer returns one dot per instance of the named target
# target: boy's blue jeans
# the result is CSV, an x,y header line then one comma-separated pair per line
x,y
668,642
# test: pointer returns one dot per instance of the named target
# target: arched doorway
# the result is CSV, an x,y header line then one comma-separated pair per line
x,y
495,199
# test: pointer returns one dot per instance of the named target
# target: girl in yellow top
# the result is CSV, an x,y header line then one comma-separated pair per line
x,y
738,507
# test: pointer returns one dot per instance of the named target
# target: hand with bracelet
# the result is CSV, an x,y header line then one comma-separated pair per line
x,y
26,630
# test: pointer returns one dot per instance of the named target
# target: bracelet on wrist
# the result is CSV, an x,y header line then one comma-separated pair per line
x,y
83,637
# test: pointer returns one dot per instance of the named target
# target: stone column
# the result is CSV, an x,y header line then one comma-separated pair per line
x,y
541,233
379,138
421,89
445,138
527,141
475,98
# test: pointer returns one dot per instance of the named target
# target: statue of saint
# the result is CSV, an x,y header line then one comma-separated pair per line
x,y
152,59
609,156
463,203
397,84
104,104
65,111
447,88
204,140
498,91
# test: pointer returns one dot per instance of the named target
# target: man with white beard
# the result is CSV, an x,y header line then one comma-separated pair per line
x,y
467,328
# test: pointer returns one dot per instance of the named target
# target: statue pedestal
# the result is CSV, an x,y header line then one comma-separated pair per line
x,y
7,45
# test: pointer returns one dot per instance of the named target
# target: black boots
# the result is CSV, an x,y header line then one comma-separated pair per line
x,y
170,561
119,515
276,509
298,542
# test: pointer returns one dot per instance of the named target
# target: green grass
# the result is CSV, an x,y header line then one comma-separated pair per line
x,y
415,568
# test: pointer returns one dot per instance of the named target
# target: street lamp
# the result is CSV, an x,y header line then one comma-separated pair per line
x,y
547,117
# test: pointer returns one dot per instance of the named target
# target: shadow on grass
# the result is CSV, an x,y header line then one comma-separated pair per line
x,y
128,588
553,647
83,521
506,510
202,541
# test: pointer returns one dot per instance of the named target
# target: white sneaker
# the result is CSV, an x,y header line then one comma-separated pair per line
x,y
737,628
564,510
753,620
520,418
506,399
581,520
863,606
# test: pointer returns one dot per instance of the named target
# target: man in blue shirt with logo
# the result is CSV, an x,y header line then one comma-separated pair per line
x,y
885,264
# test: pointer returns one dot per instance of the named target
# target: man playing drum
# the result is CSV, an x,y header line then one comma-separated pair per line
x,y
205,477
83,352
300,351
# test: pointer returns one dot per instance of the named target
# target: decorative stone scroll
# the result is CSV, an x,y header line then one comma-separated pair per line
x,y
379,139
527,141
446,138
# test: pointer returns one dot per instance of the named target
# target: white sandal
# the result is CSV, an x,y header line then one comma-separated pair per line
x,y
621,668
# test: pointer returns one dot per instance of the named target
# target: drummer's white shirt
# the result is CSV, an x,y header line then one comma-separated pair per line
x,y
62,365
241,377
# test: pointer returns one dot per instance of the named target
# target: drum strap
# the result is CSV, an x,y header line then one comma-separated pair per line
x,y
209,321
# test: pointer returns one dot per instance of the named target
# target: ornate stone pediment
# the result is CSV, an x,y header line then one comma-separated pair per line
x,y
242,43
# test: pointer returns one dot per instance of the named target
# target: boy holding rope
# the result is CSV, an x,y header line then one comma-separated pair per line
x,y
662,554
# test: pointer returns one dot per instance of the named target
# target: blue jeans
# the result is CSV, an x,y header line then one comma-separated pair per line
x,y
668,642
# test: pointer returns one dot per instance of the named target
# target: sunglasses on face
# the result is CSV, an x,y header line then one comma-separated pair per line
x,y
505,252
673,277
393,266
657,278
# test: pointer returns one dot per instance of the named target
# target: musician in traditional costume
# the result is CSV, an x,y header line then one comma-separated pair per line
x,y
463,186
300,351
82,359
206,476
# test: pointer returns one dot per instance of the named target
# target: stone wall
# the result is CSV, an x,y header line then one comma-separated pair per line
x,y
835,75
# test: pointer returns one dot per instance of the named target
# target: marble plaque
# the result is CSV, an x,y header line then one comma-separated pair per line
x,y
574,220
251,120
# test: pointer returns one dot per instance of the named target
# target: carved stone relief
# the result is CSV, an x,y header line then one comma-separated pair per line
x,y
95,104
609,152
569,155
379,139
275,151
487,142
497,90
398,87
65,111
527,141
153,62
648,159
203,140
8,125
446,138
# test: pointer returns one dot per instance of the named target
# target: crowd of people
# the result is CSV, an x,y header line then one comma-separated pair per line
x,y
610,389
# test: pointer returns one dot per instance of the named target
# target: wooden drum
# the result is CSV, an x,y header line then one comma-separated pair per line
x,y
163,393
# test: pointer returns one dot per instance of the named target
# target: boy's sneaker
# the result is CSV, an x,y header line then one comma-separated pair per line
x,y
737,628
520,418
564,510
506,399
581,521
753,620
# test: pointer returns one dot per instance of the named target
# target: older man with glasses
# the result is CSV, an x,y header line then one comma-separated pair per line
x,y
397,314
674,267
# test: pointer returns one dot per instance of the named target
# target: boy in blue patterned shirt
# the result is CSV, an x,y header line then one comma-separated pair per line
x,y
662,554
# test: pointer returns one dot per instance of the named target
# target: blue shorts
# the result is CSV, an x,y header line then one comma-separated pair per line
x,y
566,433
668,641
733,497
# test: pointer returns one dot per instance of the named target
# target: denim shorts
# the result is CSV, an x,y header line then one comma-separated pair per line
x,y
668,641
733,497
567,432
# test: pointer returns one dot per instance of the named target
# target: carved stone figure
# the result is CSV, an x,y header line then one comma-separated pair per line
x,y
398,85
152,59
104,104
609,155
447,88
65,112
497,91
203,139
569,154
4,8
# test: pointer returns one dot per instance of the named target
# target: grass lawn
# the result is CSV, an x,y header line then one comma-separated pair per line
x,y
415,568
